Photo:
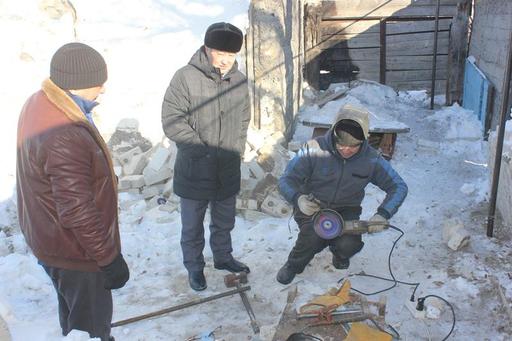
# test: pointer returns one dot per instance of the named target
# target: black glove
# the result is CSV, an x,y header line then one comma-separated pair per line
x,y
116,273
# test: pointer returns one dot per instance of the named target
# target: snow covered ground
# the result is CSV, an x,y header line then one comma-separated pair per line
x,y
442,159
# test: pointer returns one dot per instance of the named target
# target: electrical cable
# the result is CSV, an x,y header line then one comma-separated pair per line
x,y
421,300
420,306
393,279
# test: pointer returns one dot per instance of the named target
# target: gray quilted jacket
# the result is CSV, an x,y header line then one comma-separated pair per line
x,y
207,116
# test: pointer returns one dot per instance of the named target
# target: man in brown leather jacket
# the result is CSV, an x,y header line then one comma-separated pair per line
x,y
66,187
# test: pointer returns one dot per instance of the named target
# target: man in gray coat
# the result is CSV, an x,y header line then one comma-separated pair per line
x,y
206,112
332,171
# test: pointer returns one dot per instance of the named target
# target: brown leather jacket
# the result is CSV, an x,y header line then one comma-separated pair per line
x,y
67,197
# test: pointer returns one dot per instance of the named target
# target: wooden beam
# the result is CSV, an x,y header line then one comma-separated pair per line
x,y
366,8
399,27
412,48
350,41
417,37
415,75
418,85
349,27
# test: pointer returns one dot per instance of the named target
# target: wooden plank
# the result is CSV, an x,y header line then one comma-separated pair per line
x,y
342,76
350,66
415,62
328,28
360,8
415,75
412,48
417,37
349,27
353,54
401,27
409,48
350,41
371,40
418,85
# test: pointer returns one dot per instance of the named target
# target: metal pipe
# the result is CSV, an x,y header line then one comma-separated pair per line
x,y
499,144
434,58
382,52
181,306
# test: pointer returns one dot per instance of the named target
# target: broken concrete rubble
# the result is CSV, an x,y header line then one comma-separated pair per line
x,y
454,234
147,172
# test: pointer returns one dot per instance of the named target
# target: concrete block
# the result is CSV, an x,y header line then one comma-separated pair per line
x,y
128,125
249,184
126,156
135,191
276,206
150,191
152,177
155,201
123,184
454,234
256,170
246,204
159,158
264,187
245,171
131,181
168,188
273,158
135,165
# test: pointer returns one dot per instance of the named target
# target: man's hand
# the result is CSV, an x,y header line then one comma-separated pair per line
x,y
377,223
307,204
116,273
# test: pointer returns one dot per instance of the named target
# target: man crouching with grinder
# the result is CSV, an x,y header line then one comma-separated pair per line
x,y
331,172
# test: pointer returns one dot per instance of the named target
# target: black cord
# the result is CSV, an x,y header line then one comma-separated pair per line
x,y
393,279
421,300
420,306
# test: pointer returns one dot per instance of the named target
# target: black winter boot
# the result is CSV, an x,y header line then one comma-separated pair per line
x,y
285,275
197,280
340,263
233,266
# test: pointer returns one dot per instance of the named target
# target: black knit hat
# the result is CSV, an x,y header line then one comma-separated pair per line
x,y
348,133
224,37
77,66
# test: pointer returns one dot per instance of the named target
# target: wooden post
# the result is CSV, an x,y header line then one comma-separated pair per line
x,y
312,51
457,52
434,57
251,77
382,76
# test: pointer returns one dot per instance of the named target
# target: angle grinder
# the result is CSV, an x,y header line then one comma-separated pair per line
x,y
329,224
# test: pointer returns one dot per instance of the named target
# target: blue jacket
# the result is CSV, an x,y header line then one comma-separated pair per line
x,y
319,169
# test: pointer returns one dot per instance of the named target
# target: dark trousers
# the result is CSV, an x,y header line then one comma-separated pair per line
x,y
83,302
308,243
222,221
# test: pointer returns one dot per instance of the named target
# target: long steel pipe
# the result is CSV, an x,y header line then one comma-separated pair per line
x,y
499,145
